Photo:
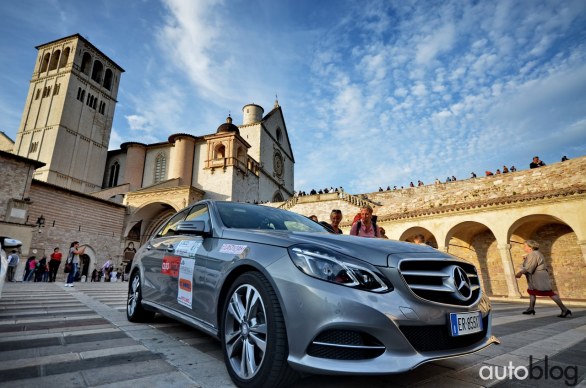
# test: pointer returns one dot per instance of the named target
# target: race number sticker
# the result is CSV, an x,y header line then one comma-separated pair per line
x,y
187,248
232,248
185,287
170,265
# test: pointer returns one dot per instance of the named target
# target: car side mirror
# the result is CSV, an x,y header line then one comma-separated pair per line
x,y
10,242
197,228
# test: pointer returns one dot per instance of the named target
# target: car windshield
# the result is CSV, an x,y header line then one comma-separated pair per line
x,y
247,216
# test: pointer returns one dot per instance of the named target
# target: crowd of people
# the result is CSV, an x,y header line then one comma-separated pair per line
x,y
535,163
46,269
320,191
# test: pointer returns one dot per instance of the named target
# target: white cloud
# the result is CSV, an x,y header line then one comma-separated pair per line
x,y
435,43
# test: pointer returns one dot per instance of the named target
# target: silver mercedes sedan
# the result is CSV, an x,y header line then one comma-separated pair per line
x,y
284,296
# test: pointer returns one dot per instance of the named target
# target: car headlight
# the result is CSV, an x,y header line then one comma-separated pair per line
x,y
337,268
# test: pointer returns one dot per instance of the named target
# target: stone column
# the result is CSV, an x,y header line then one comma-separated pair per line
x,y
582,244
509,270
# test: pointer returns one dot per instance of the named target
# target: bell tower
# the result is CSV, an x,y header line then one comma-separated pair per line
x,y
68,114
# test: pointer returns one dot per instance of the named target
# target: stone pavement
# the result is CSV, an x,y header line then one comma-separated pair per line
x,y
79,337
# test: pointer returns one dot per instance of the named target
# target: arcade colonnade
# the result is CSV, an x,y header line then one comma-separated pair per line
x,y
492,238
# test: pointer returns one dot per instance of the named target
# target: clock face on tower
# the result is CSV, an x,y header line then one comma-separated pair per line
x,y
278,164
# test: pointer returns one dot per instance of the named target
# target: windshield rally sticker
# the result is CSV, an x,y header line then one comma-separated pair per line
x,y
232,248
187,248
185,290
171,265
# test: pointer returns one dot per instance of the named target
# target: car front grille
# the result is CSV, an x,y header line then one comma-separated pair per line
x,y
432,338
345,345
446,282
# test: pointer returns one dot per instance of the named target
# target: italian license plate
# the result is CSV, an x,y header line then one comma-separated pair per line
x,y
465,323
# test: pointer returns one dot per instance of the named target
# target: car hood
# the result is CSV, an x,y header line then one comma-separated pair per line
x,y
376,251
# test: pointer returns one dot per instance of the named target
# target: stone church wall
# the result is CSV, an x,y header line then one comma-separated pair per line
x,y
71,216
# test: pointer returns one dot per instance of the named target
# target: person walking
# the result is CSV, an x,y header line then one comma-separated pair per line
x,y
74,252
13,260
31,267
54,264
538,281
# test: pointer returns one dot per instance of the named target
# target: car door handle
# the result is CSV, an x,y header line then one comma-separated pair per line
x,y
149,247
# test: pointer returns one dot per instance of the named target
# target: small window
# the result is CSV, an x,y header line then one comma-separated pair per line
x,y
169,228
279,135
114,171
160,168
38,94
33,147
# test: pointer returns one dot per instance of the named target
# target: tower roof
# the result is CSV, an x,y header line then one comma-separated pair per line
x,y
228,127
78,36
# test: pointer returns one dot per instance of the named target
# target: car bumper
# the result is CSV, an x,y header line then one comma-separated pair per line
x,y
335,329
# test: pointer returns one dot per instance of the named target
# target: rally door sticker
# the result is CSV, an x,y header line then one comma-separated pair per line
x,y
187,248
171,265
232,248
185,285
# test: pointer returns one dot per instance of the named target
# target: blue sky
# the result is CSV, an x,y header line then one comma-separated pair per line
x,y
374,93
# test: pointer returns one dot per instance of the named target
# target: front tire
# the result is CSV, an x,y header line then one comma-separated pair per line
x,y
253,334
134,310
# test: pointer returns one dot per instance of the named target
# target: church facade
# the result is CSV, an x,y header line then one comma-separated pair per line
x,y
251,163
65,133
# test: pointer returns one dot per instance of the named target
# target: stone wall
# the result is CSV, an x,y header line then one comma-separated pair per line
x,y
70,216
557,176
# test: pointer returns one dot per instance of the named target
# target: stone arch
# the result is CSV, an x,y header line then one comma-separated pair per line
x,y
558,245
278,197
108,79
150,216
219,151
64,57
241,155
477,243
90,256
55,60
86,62
97,71
45,62
410,233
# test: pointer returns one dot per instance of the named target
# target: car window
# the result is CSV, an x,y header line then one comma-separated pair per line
x,y
169,228
248,216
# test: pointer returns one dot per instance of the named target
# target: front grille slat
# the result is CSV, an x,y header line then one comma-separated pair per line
x,y
435,280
